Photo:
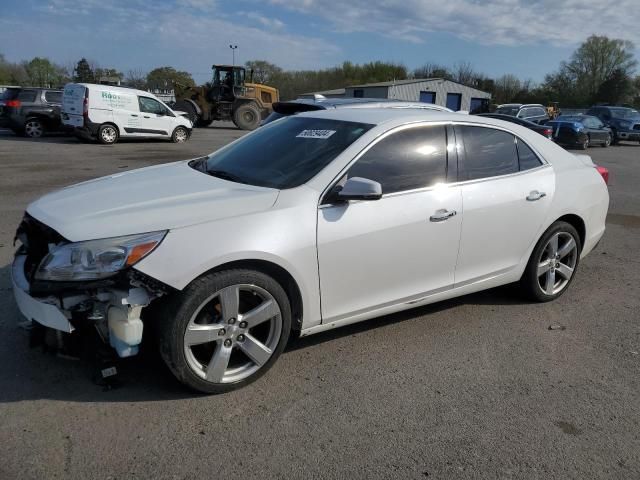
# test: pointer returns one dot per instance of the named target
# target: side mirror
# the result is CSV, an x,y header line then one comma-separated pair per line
x,y
357,188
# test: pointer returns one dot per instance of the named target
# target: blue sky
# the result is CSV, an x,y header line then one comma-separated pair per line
x,y
528,38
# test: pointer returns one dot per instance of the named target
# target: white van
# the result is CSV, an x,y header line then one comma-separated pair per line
x,y
107,113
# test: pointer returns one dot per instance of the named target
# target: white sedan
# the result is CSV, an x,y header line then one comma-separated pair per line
x,y
309,223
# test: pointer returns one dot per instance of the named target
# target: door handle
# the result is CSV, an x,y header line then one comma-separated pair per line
x,y
442,215
535,195
133,115
146,116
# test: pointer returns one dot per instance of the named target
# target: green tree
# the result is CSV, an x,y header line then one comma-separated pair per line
x,y
163,78
83,72
41,72
616,89
598,60
263,71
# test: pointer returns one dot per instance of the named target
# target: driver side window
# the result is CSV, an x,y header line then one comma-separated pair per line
x,y
149,105
406,160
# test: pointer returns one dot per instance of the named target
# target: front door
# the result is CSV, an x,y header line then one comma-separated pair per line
x,y
383,252
155,118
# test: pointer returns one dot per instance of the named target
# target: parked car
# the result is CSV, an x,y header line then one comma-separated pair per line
x,y
533,112
543,130
363,211
106,113
624,122
580,131
293,107
31,111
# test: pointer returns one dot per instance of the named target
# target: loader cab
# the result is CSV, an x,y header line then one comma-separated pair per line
x,y
228,82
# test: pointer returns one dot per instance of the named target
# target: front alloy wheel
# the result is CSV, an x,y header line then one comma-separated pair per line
x,y
553,263
223,340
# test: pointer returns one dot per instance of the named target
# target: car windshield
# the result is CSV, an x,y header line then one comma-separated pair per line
x,y
625,113
507,110
284,154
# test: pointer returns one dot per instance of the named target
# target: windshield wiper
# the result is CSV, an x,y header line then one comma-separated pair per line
x,y
225,175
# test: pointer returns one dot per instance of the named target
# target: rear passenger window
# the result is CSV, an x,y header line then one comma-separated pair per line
x,y
487,153
528,159
53,97
27,96
406,160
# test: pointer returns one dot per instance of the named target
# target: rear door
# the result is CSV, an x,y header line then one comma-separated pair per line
x,y
73,98
506,192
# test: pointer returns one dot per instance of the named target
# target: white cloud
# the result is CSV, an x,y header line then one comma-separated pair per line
x,y
490,22
270,23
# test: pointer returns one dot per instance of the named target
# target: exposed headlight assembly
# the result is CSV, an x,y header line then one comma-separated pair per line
x,y
96,259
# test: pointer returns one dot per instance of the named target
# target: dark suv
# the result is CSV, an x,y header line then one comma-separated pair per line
x,y
533,112
31,111
624,122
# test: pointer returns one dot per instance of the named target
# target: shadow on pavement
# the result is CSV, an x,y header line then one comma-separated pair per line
x,y
28,373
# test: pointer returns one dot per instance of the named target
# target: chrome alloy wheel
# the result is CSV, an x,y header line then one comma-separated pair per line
x,y
233,333
557,263
33,129
108,134
180,135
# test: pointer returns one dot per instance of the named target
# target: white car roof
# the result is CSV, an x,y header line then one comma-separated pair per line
x,y
130,91
398,116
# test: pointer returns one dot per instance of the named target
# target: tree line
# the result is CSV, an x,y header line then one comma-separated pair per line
x,y
600,70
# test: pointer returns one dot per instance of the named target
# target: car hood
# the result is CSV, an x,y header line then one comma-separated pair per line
x,y
144,200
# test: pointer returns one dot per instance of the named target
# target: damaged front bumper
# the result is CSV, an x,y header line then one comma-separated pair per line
x,y
114,311
45,311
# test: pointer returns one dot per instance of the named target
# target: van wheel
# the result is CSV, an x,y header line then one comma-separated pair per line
x,y
180,135
246,117
225,329
33,128
107,134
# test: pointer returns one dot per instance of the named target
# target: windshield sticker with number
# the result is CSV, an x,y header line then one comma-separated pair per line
x,y
323,134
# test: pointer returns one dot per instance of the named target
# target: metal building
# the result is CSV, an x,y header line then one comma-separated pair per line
x,y
439,91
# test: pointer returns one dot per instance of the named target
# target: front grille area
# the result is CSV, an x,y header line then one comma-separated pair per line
x,y
36,237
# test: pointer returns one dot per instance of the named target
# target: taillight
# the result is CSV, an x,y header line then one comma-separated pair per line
x,y
85,105
604,172
547,132
13,103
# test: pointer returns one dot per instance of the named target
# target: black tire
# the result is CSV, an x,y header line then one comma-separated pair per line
x,y
607,142
614,138
33,128
585,144
530,281
247,117
189,109
180,309
108,134
180,135
202,123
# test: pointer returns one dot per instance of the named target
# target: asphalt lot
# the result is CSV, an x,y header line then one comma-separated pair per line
x,y
476,387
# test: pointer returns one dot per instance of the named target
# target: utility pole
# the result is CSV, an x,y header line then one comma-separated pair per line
x,y
233,53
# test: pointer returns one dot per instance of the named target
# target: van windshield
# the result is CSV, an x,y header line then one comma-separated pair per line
x,y
283,154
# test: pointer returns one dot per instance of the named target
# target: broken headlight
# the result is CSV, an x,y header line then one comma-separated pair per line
x,y
96,259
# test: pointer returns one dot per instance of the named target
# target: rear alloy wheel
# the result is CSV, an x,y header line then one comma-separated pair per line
x,y
553,263
107,134
225,330
33,128
607,142
180,135
247,117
